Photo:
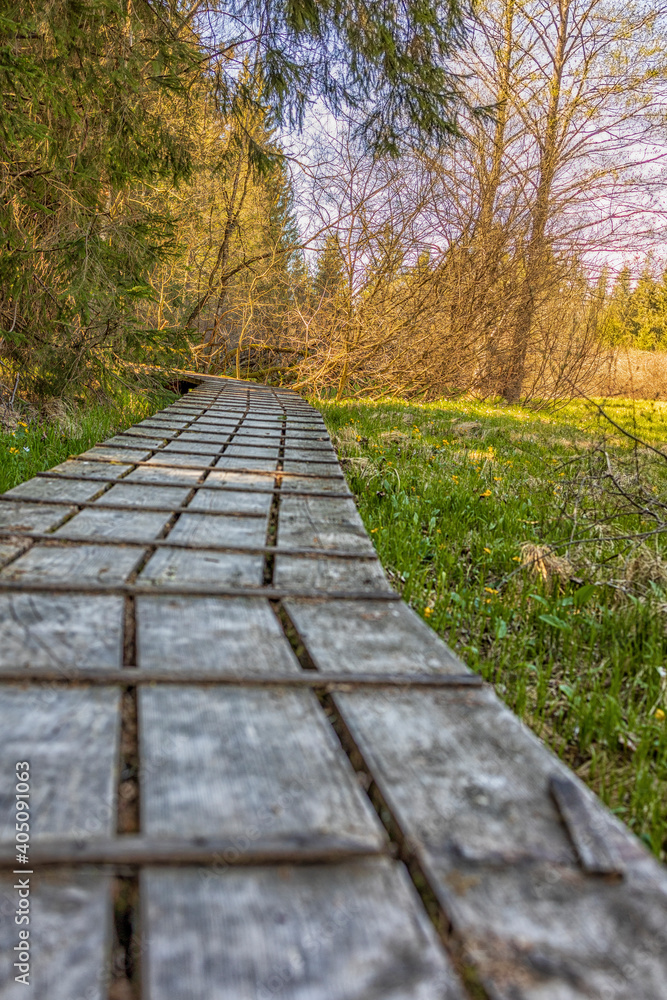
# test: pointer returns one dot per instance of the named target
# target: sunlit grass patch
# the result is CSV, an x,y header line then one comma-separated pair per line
x,y
475,528
37,444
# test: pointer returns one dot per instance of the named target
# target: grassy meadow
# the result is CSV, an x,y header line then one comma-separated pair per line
x,y
514,533
34,442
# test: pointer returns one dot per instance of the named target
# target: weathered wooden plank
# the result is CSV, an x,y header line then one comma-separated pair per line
x,y
116,454
247,451
175,459
142,431
163,424
313,468
164,474
135,494
266,464
60,630
128,525
247,763
23,516
306,484
231,477
171,567
200,449
317,522
300,447
55,489
248,434
591,843
353,931
217,529
468,785
96,470
358,636
70,739
98,563
226,421
230,501
329,573
70,936
10,550
218,438
130,441
229,634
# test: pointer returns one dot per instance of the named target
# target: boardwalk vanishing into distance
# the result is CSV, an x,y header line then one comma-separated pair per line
x,y
252,772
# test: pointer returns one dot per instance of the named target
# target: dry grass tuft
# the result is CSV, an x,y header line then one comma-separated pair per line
x,y
543,561
646,567
344,438
466,428
362,466
9,418
394,437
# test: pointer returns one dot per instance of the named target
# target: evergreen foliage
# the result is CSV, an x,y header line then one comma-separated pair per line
x,y
140,178
637,316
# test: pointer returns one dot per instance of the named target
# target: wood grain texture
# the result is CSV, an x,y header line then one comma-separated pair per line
x,y
230,477
129,525
56,489
115,454
231,462
9,550
171,567
247,764
249,434
163,474
200,448
229,634
317,522
70,739
23,516
243,450
139,430
96,470
172,458
70,936
129,441
353,931
313,468
217,529
215,438
314,484
329,573
60,630
157,426
468,784
358,636
135,495
230,502
99,563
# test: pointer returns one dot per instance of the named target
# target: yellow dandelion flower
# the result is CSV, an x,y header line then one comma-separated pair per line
x,y
486,493
490,590
428,612
659,715
488,550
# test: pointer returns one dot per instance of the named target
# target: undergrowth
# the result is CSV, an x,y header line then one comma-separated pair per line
x,y
502,529
30,444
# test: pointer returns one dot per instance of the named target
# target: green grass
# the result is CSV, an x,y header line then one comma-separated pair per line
x,y
580,656
36,445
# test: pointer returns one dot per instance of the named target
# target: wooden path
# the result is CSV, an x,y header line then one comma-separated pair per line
x,y
255,773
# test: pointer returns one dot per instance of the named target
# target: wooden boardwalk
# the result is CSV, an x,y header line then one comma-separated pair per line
x,y
254,773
